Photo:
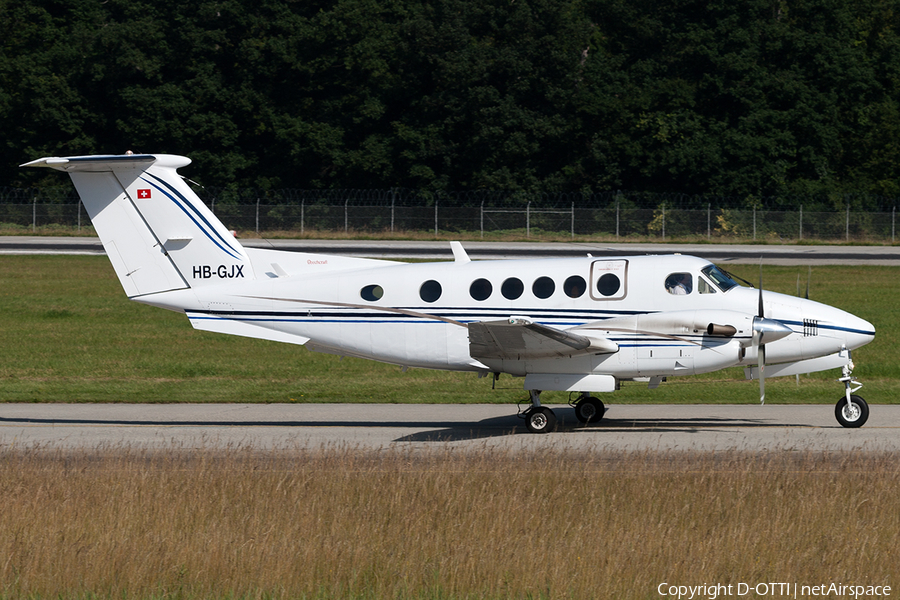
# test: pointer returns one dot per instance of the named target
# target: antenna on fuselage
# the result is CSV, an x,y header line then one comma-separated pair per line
x,y
459,253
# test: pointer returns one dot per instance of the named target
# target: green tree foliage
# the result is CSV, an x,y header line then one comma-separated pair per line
x,y
749,99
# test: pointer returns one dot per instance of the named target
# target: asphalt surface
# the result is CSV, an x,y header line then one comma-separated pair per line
x,y
669,428
719,253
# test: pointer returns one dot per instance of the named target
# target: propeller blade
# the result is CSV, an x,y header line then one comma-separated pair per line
x,y
761,310
762,374
766,330
808,277
758,338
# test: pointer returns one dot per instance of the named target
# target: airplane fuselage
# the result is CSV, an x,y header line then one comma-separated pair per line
x,y
416,315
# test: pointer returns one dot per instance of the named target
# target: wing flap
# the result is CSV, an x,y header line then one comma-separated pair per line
x,y
519,338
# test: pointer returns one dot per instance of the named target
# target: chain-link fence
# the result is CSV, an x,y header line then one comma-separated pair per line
x,y
377,212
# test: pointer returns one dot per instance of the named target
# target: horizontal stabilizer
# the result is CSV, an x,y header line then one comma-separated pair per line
x,y
95,164
518,338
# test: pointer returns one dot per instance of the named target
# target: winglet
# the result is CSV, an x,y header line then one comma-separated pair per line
x,y
459,253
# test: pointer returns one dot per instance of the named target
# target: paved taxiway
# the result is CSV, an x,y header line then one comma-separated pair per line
x,y
718,253
385,426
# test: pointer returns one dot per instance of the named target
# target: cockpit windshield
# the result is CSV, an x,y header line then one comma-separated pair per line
x,y
719,277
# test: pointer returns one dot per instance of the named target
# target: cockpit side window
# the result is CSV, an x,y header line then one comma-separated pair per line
x,y
705,287
679,284
719,277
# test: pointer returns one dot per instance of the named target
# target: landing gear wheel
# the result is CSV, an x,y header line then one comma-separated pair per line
x,y
589,410
540,419
853,414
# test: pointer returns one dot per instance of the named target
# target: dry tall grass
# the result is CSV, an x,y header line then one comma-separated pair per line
x,y
348,524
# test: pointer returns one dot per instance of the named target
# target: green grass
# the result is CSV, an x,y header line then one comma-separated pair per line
x,y
69,334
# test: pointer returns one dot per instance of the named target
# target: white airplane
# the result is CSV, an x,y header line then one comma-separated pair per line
x,y
581,325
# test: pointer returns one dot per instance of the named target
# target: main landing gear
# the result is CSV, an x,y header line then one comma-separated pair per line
x,y
588,409
851,410
540,419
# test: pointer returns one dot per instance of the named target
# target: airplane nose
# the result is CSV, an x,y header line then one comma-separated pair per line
x,y
858,332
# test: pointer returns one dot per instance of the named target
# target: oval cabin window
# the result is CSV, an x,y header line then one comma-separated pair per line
x,y
608,284
575,286
372,293
430,291
543,287
481,289
512,288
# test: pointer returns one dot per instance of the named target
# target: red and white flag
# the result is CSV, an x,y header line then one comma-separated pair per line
x,y
143,194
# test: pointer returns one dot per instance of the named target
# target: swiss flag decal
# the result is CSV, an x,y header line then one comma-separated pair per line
x,y
143,194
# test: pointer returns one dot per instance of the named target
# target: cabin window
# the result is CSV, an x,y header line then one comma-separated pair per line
x,y
543,287
430,291
372,293
512,288
608,284
575,286
481,289
679,284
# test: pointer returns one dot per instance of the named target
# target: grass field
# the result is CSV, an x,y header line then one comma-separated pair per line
x,y
345,524
69,334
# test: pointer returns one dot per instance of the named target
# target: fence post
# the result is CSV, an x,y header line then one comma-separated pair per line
x,y
435,217
664,222
257,216
393,199
346,217
754,223
79,216
708,220
482,219
573,220
801,221
847,231
33,212
302,215
619,193
893,214
528,219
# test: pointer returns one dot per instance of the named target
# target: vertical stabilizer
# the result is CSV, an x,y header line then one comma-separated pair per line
x,y
158,234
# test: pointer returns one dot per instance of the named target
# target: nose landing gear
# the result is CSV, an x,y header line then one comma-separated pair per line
x,y
851,410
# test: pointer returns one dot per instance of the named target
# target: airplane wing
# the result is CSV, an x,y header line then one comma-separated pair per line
x,y
518,338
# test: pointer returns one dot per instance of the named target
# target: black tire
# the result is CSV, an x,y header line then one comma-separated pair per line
x,y
853,416
540,419
589,410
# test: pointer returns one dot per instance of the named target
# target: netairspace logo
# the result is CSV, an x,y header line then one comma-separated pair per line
x,y
776,590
